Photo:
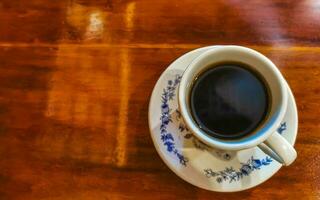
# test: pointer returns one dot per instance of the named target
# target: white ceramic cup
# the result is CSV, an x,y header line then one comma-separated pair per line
x,y
265,136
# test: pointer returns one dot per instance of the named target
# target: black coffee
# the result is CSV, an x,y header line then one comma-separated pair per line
x,y
229,101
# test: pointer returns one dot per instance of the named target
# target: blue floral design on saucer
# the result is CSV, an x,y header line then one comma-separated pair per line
x,y
230,174
166,136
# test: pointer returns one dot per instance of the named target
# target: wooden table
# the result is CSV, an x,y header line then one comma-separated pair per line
x,y
75,82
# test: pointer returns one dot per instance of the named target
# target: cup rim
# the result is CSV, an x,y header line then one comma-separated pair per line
x,y
185,83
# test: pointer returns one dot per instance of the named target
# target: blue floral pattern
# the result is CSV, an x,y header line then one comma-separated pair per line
x,y
230,174
282,127
166,137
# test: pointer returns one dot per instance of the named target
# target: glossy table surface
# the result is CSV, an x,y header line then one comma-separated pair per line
x,y
76,77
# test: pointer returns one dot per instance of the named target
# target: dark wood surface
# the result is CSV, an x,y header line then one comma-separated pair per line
x,y
75,82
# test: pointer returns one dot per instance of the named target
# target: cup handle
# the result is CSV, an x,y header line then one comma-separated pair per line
x,y
279,149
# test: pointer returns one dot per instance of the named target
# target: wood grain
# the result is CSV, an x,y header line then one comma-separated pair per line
x,y
75,82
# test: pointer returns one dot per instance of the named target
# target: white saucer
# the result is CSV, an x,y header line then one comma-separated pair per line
x,y
193,161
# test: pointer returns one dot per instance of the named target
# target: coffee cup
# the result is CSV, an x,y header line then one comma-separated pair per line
x,y
264,135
